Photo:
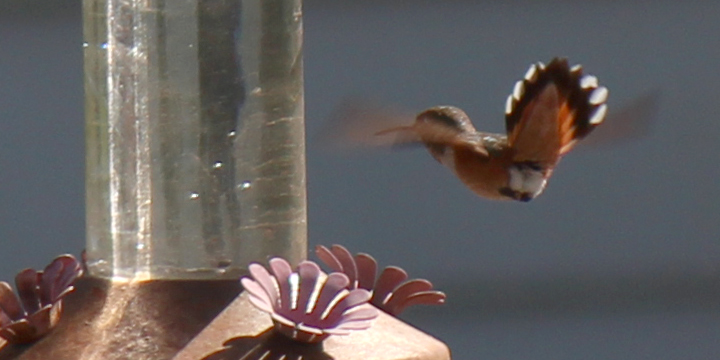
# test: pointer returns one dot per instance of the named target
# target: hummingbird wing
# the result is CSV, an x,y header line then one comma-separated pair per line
x,y
439,127
364,123
355,121
550,109
634,119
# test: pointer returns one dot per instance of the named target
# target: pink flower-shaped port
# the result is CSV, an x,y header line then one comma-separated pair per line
x,y
392,292
308,305
39,306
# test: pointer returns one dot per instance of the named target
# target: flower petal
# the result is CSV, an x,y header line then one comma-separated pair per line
x,y
23,332
354,298
47,281
424,298
365,314
9,302
282,271
348,263
308,273
258,296
390,278
405,290
4,320
367,270
327,257
42,321
27,283
334,284
69,271
337,331
8,334
265,280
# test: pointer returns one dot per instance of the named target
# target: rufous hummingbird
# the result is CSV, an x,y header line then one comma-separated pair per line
x,y
548,112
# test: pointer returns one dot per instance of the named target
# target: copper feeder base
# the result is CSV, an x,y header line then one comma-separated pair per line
x,y
199,320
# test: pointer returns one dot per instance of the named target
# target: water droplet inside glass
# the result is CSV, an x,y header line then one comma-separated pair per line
x,y
256,90
194,195
104,45
85,44
217,165
232,133
245,185
140,246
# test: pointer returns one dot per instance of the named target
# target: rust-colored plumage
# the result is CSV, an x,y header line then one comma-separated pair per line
x,y
549,110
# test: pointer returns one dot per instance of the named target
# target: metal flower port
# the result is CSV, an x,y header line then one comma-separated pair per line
x,y
308,305
391,292
37,307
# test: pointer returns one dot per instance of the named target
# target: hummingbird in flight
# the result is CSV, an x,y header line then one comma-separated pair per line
x,y
549,111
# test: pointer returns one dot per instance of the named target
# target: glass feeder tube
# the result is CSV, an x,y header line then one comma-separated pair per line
x,y
195,136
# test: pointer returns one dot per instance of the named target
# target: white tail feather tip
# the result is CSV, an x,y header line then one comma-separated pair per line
x,y
599,115
518,90
598,96
509,104
588,81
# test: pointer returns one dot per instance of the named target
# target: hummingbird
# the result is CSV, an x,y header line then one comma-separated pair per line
x,y
549,111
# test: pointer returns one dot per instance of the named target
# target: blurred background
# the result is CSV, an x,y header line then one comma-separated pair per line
x,y
618,259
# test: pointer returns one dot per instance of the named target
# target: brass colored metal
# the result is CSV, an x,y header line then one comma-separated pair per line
x,y
198,320
195,168
153,320
243,332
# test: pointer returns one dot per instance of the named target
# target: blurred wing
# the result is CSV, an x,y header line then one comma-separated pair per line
x,y
631,121
552,108
437,128
420,134
355,123
364,123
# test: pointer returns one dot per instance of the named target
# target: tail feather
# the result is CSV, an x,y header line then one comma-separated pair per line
x,y
552,108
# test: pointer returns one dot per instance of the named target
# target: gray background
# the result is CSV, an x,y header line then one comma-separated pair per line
x,y
619,259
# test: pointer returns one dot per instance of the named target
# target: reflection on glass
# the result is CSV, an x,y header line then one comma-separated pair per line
x,y
195,137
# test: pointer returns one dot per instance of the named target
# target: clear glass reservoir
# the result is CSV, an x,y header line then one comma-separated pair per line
x,y
195,136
